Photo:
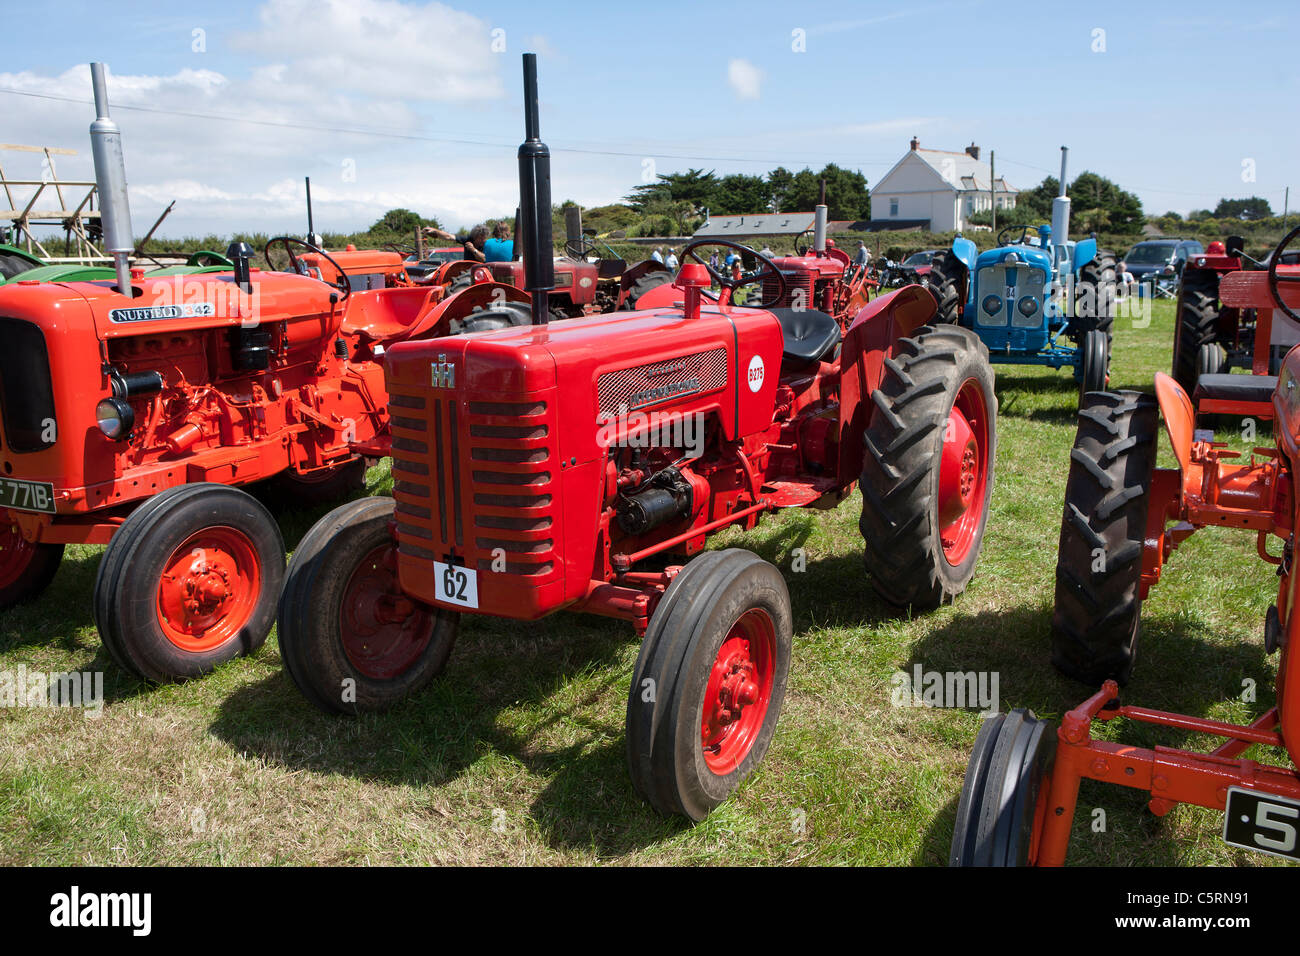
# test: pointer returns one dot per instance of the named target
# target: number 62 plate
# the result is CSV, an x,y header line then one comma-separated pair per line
x,y
1262,822
456,584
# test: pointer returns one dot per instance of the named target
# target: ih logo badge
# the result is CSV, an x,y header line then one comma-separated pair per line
x,y
443,373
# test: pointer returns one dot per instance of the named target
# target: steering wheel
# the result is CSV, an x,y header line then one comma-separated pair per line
x,y
581,248
1274,278
342,283
206,257
1024,231
765,268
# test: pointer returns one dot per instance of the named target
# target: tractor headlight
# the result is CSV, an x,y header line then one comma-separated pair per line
x,y
115,418
992,304
1027,306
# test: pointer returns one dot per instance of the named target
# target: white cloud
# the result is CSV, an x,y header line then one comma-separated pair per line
x,y
745,79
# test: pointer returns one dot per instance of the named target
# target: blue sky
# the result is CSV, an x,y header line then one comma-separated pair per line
x,y
1168,99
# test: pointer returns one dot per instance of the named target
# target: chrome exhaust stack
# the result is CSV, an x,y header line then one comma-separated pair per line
x,y
110,180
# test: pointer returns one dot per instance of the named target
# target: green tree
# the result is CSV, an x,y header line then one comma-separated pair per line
x,y
739,194
1246,210
402,220
694,186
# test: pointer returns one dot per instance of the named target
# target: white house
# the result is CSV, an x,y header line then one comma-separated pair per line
x,y
936,187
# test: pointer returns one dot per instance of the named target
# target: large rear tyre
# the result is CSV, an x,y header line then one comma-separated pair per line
x,y
189,581
505,316
1198,320
646,283
1003,799
946,281
1099,561
1095,294
709,681
927,473
26,569
350,639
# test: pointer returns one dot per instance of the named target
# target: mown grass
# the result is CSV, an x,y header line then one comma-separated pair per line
x,y
516,754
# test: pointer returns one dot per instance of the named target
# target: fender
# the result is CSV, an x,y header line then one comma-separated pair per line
x,y
1180,419
966,252
870,339
1085,250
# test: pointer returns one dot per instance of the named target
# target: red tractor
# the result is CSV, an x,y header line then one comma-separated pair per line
x,y
134,412
579,465
1123,519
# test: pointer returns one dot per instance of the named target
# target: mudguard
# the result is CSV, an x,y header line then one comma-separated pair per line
x,y
966,252
1085,250
1180,419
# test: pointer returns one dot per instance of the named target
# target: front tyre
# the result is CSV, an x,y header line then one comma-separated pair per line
x,y
927,473
709,682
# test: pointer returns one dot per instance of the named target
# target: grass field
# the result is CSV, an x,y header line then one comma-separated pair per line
x,y
515,756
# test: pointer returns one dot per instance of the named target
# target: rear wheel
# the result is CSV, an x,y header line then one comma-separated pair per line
x,y
26,569
1198,320
927,473
189,581
1095,294
946,281
646,283
508,315
350,639
1003,799
709,682
1099,561
324,486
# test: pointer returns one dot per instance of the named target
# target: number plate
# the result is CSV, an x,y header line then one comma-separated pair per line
x,y
27,495
1262,822
455,584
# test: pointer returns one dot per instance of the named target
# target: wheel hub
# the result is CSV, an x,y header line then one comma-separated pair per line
x,y
384,632
963,473
738,691
208,589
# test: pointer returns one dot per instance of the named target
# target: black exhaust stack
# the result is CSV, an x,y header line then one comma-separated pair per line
x,y
535,202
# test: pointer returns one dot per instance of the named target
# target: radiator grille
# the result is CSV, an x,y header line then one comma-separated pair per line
x,y
793,281
644,385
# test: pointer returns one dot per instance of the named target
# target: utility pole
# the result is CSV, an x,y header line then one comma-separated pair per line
x,y
1286,207
993,192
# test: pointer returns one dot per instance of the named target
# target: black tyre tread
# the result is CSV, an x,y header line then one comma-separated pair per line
x,y
1099,275
899,477
37,576
127,546
1198,319
1096,614
509,315
1096,362
645,283
945,281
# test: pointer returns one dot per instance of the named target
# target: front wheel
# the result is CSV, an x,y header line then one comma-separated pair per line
x,y
1003,799
709,682
351,640
189,581
1095,362
927,474
26,569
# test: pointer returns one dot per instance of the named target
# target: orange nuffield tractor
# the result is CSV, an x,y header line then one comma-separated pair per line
x,y
128,420
562,466
1123,518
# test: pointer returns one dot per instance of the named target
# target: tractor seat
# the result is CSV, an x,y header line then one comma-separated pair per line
x,y
1227,387
808,335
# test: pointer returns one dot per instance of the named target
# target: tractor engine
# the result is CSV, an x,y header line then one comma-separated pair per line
x,y
110,400
537,458
810,282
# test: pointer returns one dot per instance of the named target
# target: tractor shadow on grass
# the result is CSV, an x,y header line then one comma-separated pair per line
x,y
1179,669
1038,398
548,697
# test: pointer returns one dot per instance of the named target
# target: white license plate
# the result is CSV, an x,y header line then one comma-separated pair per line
x,y
455,584
1262,822
27,495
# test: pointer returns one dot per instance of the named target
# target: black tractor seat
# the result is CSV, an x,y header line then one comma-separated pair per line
x,y
809,335
1227,387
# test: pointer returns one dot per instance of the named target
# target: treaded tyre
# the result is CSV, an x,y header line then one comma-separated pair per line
x,y
1211,359
1096,362
1099,561
350,639
26,569
643,284
1095,293
189,581
709,682
338,482
1004,795
1198,320
927,471
506,316
946,281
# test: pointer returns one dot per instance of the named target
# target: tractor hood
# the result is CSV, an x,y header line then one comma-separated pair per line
x,y
1023,255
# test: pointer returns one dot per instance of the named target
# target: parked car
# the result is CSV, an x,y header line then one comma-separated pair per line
x,y
919,262
1153,258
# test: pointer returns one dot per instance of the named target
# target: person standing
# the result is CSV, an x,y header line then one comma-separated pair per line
x,y
500,248
671,261
863,256
473,249
657,255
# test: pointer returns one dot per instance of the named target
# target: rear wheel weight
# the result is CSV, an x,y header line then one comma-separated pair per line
x,y
350,639
923,520
189,581
1097,609
1003,798
709,682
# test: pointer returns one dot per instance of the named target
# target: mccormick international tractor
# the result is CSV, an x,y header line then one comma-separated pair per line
x,y
582,465
822,277
135,409
1038,298
1123,519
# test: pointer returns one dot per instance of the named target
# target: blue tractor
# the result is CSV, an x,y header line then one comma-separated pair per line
x,y
1035,299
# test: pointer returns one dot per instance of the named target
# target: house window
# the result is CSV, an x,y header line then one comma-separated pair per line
x,y
970,205
893,207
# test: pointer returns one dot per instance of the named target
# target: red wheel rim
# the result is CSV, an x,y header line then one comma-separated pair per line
x,y
963,472
16,554
208,589
739,691
384,632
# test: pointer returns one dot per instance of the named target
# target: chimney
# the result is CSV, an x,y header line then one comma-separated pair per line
x,y
915,142
973,151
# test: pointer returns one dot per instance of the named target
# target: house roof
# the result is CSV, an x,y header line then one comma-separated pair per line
x,y
962,170
758,224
